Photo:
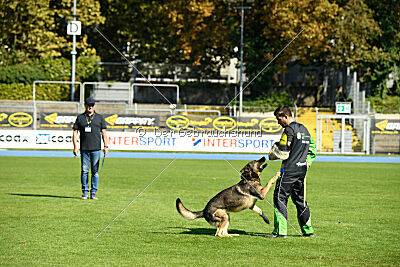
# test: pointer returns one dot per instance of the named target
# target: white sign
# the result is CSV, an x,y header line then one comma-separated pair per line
x,y
28,139
166,140
343,107
74,27
154,140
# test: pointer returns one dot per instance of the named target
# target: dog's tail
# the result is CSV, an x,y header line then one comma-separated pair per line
x,y
187,214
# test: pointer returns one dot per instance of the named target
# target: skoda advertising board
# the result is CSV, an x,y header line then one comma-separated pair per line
x,y
147,140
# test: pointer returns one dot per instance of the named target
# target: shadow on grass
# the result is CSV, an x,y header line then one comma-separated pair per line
x,y
40,195
211,231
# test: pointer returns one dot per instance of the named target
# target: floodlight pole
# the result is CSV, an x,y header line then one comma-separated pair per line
x,y
73,53
242,8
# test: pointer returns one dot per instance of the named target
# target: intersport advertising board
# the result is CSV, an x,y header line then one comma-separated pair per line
x,y
145,140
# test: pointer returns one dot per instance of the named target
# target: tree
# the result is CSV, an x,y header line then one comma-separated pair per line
x,y
171,32
272,24
199,30
361,34
38,28
336,33
387,15
352,43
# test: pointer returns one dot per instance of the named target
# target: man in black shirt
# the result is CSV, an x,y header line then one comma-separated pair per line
x,y
298,150
92,128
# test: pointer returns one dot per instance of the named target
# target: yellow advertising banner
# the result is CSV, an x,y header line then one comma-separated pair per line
x,y
16,119
386,127
117,121
223,124
57,121
114,121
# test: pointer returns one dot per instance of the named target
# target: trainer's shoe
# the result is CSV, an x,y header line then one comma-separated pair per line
x,y
84,196
275,236
309,235
93,196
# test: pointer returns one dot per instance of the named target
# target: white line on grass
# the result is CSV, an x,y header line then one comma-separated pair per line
x,y
264,198
137,196
266,66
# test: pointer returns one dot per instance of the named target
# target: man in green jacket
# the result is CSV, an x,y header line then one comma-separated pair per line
x,y
297,149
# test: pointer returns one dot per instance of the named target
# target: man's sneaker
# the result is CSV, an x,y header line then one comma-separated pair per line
x,y
84,196
309,235
275,236
93,196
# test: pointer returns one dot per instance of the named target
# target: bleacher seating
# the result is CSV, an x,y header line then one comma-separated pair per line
x,y
308,117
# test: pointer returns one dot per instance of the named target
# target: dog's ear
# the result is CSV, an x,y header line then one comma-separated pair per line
x,y
263,166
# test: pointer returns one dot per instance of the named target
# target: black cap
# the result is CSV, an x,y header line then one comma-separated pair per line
x,y
89,101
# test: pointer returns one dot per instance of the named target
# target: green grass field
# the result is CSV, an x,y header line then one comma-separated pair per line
x,y
355,212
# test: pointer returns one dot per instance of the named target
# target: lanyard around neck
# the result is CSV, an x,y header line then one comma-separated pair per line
x,y
89,118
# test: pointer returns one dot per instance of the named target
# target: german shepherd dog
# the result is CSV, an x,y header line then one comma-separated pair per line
x,y
241,196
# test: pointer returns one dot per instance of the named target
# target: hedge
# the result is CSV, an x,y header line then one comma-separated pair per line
x,y
49,92
388,104
50,69
16,81
21,73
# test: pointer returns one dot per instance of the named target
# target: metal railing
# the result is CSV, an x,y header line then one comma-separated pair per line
x,y
131,90
34,96
366,130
